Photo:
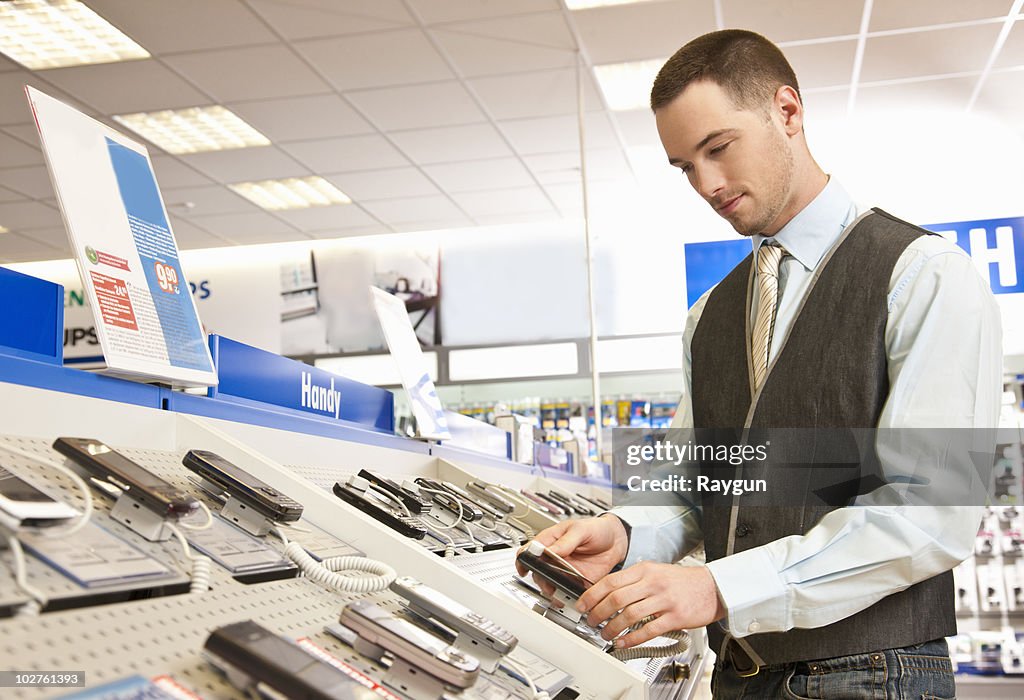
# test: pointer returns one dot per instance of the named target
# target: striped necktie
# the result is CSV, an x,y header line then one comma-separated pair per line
x,y
768,257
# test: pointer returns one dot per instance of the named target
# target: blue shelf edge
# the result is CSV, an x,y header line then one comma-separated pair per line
x,y
43,375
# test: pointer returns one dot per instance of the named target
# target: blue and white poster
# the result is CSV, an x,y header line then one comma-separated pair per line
x,y
146,320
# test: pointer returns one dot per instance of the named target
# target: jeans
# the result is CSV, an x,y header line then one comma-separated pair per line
x,y
920,672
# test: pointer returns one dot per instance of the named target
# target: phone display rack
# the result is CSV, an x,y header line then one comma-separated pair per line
x,y
162,632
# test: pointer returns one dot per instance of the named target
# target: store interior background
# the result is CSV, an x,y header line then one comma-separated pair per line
x,y
453,124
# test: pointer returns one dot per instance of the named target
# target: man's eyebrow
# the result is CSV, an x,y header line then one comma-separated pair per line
x,y
703,142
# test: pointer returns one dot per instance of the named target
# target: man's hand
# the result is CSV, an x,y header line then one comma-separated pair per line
x,y
593,545
680,597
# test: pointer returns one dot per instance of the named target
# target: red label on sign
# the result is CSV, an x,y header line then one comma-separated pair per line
x,y
112,260
167,278
115,306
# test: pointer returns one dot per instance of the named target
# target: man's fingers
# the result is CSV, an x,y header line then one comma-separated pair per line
x,y
629,616
627,589
654,628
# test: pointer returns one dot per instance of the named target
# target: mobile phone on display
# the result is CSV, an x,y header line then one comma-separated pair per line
x,y
544,563
434,604
495,499
416,503
239,483
146,488
543,503
25,505
568,503
249,650
448,500
356,493
417,647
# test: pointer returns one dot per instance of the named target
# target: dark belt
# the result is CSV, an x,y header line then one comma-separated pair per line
x,y
744,666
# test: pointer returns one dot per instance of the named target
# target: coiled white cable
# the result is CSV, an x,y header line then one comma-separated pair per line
x,y
449,549
652,651
75,479
337,572
200,562
519,670
39,599
205,526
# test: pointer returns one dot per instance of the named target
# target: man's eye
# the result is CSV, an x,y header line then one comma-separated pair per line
x,y
718,149
686,169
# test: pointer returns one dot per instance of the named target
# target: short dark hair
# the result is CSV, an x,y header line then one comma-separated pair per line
x,y
749,67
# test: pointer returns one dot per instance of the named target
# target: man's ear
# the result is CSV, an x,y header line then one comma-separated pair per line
x,y
788,107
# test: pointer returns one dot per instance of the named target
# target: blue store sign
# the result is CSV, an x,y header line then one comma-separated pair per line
x,y
995,245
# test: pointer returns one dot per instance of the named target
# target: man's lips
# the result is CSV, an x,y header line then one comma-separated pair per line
x,y
729,205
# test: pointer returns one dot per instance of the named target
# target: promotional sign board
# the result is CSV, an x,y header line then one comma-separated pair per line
x,y
146,320
406,350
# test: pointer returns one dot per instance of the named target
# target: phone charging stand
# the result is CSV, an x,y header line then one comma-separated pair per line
x,y
246,517
488,658
140,519
404,677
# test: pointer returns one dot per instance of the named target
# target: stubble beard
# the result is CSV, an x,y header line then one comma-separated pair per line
x,y
776,193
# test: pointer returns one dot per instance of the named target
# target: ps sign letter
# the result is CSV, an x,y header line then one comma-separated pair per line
x,y
995,245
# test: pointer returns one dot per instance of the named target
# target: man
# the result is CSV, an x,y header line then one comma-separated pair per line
x,y
840,319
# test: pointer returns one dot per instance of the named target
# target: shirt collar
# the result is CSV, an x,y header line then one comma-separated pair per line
x,y
814,230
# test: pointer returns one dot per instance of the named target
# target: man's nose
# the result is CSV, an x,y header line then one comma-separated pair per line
x,y
708,182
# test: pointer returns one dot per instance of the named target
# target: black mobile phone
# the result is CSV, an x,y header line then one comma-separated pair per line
x,y
258,495
248,650
25,505
543,503
414,502
147,488
379,510
544,563
569,504
485,507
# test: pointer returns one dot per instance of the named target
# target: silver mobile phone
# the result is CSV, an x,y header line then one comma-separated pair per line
x,y
25,505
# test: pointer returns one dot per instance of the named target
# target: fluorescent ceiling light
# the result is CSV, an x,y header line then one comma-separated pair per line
x,y
546,360
628,85
587,4
194,130
56,33
291,193
3,230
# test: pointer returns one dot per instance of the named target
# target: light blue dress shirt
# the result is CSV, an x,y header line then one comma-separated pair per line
x,y
944,348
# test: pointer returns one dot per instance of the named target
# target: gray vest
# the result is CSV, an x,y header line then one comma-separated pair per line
x,y
838,333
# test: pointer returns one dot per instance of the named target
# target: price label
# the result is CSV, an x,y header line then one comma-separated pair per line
x,y
167,278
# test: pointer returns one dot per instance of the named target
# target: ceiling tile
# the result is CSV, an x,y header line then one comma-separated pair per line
x,y
475,55
7,64
14,153
250,73
822,65
189,236
791,20
474,175
204,201
7,195
369,152
928,53
327,218
637,127
257,237
554,134
567,196
432,11
542,29
504,201
1012,53
642,31
409,209
307,19
433,225
18,248
298,118
556,168
243,228
27,133
24,215
900,14
372,230
171,172
32,181
949,93
245,164
1002,97
418,106
451,143
375,60
54,237
184,25
827,104
538,94
130,86
528,217
390,183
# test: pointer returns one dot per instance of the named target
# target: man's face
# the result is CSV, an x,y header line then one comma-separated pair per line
x,y
740,161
